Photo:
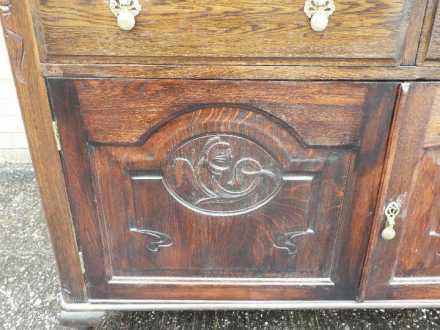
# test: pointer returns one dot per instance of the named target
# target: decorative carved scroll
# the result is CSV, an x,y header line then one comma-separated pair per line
x,y
222,175
161,240
286,241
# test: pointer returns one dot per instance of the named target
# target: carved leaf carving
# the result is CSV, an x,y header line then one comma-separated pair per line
x,y
160,239
286,241
221,175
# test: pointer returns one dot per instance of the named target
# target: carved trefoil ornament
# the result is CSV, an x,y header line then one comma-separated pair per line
x,y
222,175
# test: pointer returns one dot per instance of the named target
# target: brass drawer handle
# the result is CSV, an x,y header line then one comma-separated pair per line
x,y
391,212
125,11
319,12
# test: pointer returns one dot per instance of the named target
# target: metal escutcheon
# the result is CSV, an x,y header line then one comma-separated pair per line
x,y
391,213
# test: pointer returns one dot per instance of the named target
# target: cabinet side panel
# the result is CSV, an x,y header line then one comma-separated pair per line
x,y
38,123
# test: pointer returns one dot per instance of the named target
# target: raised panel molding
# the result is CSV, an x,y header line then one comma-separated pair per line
x,y
224,164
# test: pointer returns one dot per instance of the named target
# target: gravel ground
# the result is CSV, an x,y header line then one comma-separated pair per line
x,y
29,285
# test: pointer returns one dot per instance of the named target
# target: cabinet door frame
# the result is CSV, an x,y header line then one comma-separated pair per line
x,y
407,145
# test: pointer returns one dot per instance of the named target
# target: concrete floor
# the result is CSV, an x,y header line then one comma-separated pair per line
x,y
28,283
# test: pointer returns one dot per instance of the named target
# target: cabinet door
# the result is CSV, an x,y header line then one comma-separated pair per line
x,y
244,190
408,266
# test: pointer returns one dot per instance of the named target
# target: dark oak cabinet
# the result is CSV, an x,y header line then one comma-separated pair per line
x,y
234,154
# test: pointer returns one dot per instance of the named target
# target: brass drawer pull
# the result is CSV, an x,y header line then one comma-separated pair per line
x,y
319,12
391,212
125,11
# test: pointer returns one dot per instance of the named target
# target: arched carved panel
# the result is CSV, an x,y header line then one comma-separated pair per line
x,y
224,172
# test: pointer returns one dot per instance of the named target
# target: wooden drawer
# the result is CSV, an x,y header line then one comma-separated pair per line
x,y
264,190
376,32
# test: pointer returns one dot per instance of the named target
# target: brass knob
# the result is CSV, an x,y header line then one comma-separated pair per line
x,y
125,11
319,12
391,212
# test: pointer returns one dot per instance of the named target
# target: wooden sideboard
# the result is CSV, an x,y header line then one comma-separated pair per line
x,y
234,154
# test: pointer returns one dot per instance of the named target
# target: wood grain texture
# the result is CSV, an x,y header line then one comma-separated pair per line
x,y
241,32
116,111
429,50
266,72
38,123
240,255
407,267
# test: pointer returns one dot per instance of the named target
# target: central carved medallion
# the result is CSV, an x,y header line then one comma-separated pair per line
x,y
222,175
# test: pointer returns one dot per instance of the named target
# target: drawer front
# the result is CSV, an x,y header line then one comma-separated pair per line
x,y
261,189
224,31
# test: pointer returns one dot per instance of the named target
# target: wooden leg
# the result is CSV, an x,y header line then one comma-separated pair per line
x,y
80,319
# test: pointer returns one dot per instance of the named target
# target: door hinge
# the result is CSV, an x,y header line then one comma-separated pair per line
x,y
81,262
56,134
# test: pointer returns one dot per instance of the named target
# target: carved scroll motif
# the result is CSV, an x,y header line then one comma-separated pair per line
x,y
222,175
15,42
286,241
161,239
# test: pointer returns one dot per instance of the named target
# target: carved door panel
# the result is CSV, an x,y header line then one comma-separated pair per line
x,y
408,266
222,189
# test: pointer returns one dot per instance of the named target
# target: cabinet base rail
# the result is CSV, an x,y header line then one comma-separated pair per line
x,y
198,305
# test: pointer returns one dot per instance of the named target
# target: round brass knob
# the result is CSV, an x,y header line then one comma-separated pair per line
x,y
125,11
319,12
126,21
388,234
319,22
